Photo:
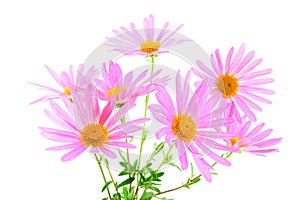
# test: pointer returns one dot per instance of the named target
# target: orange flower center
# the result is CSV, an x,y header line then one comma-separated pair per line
x,y
149,46
67,91
94,135
116,91
233,141
184,127
227,84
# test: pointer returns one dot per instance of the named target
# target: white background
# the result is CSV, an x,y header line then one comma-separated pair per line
x,y
60,33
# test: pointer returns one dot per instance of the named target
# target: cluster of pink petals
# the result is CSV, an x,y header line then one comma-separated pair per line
x,y
128,41
218,128
246,139
66,80
129,87
250,81
200,109
88,112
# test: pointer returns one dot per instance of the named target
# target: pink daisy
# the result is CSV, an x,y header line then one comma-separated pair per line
x,y
191,124
67,83
123,88
89,128
133,42
251,140
235,81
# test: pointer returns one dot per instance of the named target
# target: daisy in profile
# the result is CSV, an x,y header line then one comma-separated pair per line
x,y
251,140
122,88
191,125
236,81
67,83
90,128
146,41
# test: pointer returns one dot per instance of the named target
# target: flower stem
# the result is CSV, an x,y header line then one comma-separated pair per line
x,y
144,132
127,156
110,175
103,175
192,180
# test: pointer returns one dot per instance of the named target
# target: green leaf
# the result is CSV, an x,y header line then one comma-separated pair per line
x,y
147,195
174,165
134,166
192,170
160,174
154,188
126,182
214,173
159,147
106,185
122,173
123,164
125,192
153,173
116,196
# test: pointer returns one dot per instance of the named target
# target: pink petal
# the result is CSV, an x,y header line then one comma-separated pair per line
x,y
121,144
163,131
182,154
73,154
107,152
245,108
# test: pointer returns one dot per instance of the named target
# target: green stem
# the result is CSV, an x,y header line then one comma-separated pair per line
x,y
103,175
144,133
127,156
192,180
110,175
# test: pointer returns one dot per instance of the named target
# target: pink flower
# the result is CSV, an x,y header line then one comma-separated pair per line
x,y
89,128
133,42
235,81
123,88
192,124
251,140
67,83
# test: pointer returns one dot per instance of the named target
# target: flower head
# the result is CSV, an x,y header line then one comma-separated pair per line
x,y
123,88
89,128
235,81
67,83
251,140
133,42
193,124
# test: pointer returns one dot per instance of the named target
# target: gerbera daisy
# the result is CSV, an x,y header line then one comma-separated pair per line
x,y
134,42
89,128
67,83
191,124
251,140
123,88
235,80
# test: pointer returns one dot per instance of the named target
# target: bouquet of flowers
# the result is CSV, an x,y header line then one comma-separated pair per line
x,y
197,116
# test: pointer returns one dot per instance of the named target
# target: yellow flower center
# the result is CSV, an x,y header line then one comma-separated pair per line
x,y
227,84
67,91
116,91
184,127
233,141
149,46
94,135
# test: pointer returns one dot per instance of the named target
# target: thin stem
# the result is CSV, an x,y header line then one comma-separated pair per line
x,y
103,175
127,156
144,133
110,175
192,180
